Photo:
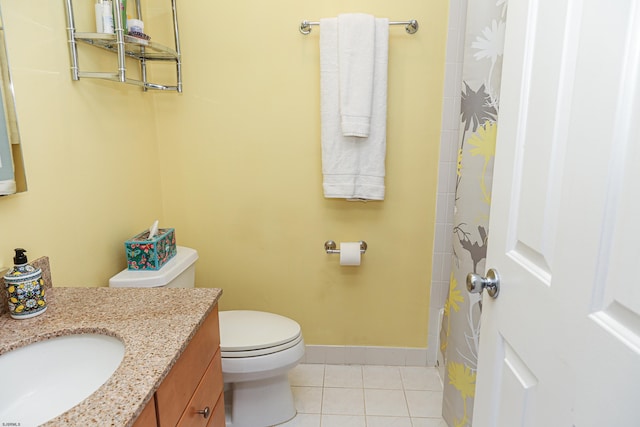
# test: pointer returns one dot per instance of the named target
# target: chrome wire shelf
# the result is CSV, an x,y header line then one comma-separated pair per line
x,y
133,46
123,45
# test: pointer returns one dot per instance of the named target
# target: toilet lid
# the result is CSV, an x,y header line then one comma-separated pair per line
x,y
246,330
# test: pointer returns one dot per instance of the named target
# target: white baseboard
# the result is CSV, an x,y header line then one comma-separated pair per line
x,y
365,355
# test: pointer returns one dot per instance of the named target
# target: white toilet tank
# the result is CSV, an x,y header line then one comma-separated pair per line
x,y
179,272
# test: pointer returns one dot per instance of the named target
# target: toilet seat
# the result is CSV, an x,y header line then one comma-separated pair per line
x,y
261,351
247,333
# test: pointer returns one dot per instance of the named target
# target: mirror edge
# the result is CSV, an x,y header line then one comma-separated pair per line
x,y
11,117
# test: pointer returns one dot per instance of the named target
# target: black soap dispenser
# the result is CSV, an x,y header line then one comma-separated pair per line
x,y
25,288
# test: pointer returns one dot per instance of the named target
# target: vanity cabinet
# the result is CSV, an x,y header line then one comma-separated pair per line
x,y
124,46
192,392
148,416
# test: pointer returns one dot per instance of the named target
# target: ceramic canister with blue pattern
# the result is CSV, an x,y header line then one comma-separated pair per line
x,y
25,288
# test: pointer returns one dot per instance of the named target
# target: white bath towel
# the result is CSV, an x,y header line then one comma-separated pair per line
x,y
353,167
356,52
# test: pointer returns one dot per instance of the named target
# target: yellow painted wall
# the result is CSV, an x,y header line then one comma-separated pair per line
x,y
243,143
233,164
90,154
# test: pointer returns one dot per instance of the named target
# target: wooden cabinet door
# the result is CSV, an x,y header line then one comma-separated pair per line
x,y
147,417
203,403
177,389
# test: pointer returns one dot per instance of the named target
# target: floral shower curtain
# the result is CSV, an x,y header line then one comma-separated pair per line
x,y
481,75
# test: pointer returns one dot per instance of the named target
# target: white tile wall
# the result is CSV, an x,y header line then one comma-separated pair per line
x,y
442,247
364,355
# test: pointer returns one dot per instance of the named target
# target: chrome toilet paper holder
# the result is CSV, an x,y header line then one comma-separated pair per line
x,y
330,247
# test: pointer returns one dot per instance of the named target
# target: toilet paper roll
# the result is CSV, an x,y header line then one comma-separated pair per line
x,y
350,253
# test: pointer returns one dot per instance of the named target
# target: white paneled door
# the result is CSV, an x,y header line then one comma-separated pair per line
x,y
560,345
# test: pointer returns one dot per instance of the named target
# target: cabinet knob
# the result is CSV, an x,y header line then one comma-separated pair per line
x,y
205,412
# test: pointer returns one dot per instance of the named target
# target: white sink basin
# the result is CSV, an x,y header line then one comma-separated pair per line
x,y
47,378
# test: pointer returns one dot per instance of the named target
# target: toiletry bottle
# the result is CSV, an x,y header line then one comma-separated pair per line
x,y
107,17
25,288
123,14
99,26
104,17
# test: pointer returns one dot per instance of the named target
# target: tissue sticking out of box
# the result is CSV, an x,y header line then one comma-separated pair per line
x,y
153,230
146,253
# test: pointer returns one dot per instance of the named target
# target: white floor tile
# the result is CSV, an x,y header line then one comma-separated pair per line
x,y
428,422
343,421
424,403
329,395
383,377
343,376
388,421
308,400
414,378
385,402
343,401
303,420
309,375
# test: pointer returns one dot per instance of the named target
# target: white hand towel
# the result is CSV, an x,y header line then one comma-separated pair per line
x,y
353,167
356,51
7,187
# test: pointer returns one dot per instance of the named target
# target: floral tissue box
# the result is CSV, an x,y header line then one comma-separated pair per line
x,y
150,254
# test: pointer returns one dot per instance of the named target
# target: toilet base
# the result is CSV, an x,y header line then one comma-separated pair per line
x,y
260,403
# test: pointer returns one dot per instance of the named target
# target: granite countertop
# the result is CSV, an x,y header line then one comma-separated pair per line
x,y
155,325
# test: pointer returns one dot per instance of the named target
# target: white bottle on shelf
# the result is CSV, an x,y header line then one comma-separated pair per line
x,y
107,17
99,26
104,17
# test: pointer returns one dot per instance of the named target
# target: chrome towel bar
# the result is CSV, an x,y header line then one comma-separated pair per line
x,y
410,27
330,247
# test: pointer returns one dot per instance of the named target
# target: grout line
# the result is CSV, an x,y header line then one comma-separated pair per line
x,y
362,388
324,373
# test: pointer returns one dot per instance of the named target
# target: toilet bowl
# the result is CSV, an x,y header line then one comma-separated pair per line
x,y
258,350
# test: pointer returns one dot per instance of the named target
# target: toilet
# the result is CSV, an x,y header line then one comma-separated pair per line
x,y
258,349
178,272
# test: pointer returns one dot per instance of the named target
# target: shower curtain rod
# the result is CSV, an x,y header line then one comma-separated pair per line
x,y
410,27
